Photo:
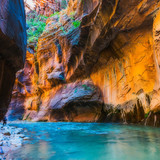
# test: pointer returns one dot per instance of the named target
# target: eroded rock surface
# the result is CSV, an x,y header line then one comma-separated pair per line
x,y
80,102
48,7
115,44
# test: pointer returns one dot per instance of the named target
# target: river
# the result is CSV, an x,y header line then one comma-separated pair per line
x,y
88,141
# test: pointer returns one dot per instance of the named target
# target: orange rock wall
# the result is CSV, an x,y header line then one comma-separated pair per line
x,y
127,67
116,45
48,7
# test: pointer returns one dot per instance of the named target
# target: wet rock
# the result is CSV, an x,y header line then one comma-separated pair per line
x,y
26,138
7,133
10,139
6,149
152,119
21,135
132,112
129,112
17,142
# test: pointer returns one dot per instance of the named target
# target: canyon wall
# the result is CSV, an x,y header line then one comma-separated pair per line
x,y
12,47
127,71
48,7
96,60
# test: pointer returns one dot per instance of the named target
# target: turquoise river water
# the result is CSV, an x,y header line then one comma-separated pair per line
x,y
88,141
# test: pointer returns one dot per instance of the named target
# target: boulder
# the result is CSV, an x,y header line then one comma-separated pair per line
x,y
7,133
79,101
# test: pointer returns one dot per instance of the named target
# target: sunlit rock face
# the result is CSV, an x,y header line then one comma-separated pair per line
x,y
80,101
113,44
48,7
12,47
52,68
127,70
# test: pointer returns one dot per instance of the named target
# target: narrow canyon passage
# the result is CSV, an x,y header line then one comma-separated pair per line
x,y
91,61
87,64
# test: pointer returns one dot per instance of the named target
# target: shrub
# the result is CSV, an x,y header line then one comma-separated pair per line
x,y
86,87
147,114
54,14
36,25
76,23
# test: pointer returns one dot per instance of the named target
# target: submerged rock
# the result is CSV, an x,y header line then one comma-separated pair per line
x,y
7,133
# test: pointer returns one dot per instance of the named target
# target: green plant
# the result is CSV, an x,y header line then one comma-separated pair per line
x,y
65,86
36,47
36,26
75,91
62,29
76,23
72,14
86,87
54,14
27,117
42,17
146,115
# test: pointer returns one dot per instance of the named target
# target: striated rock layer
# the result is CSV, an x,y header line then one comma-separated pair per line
x,y
114,46
48,7
127,71
12,47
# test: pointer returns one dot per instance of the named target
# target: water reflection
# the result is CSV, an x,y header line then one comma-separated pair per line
x,y
89,141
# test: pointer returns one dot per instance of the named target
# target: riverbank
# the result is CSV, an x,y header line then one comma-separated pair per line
x,y
11,138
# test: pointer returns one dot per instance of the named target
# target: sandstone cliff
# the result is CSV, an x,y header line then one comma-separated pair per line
x,y
48,7
12,47
107,51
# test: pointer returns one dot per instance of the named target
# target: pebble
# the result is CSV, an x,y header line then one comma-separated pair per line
x,y
11,138
26,138
7,133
